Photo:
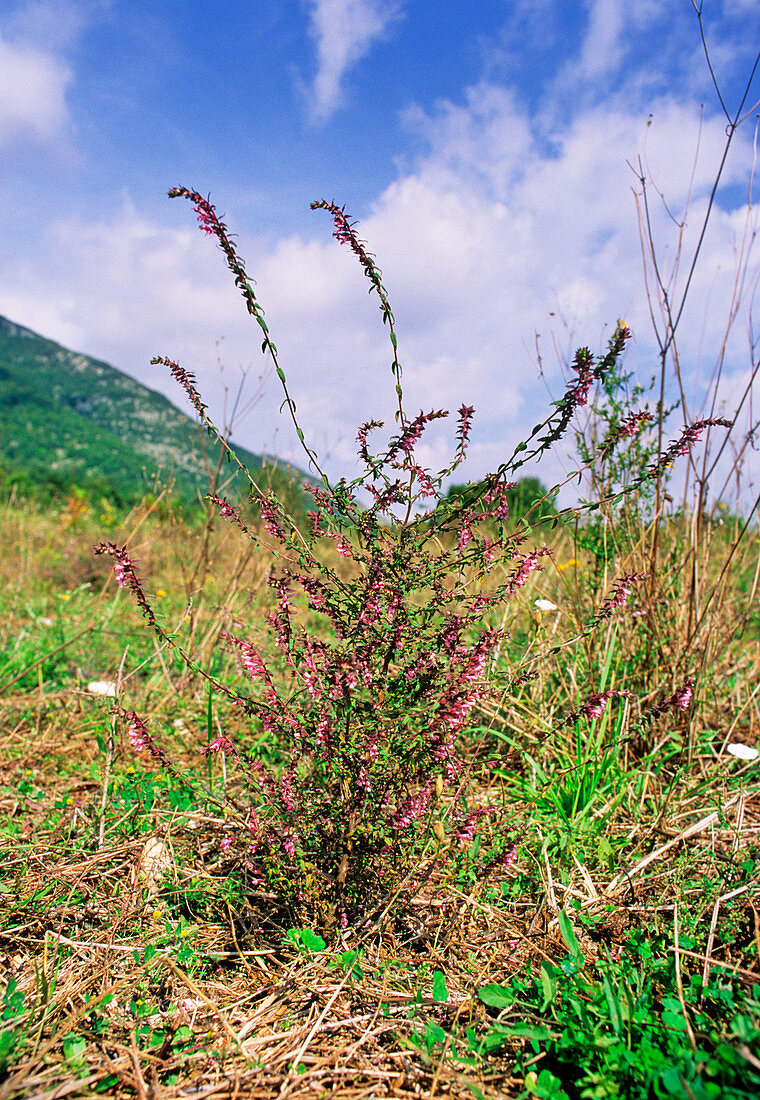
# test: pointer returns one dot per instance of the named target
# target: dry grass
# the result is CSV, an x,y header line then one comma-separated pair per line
x,y
267,1020
262,1017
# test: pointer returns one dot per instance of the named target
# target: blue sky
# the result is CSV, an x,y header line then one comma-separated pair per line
x,y
484,147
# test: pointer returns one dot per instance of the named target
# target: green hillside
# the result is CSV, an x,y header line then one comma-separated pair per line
x,y
73,421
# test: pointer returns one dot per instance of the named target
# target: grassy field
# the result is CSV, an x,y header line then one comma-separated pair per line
x,y
618,954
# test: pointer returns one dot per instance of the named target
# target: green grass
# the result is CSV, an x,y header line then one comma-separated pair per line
x,y
582,972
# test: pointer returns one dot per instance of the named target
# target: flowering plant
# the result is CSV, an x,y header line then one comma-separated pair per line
x,y
372,784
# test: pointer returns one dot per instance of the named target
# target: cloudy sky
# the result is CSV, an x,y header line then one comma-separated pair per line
x,y
487,150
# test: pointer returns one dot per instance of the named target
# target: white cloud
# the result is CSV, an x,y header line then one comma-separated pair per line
x,y
35,75
345,31
602,46
511,223
54,24
479,243
124,290
33,86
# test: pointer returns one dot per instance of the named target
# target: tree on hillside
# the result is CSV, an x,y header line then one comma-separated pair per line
x,y
528,499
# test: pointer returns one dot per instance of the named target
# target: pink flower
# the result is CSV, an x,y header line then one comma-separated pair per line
x,y
595,705
226,511
478,657
465,535
507,857
286,792
120,570
187,381
206,216
634,423
689,436
628,428
679,700
578,388
139,738
221,743
123,566
343,228
323,732
270,517
530,564
502,862
412,809
310,674
618,597
465,422
684,695
252,663
126,576
465,832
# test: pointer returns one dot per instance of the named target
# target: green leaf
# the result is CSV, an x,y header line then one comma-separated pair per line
x,y
548,984
311,941
540,1032
434,1034
743,1028
568,935
475,1091
545,1085
440,992
492,1040
674,1020
497,996
616,1014
106,1083
74,1047
349,960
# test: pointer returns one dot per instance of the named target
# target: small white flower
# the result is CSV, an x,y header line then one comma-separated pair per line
x,y
545,605
102,687
742,752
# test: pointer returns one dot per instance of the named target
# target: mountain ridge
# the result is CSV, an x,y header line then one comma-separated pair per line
x,y
71,420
